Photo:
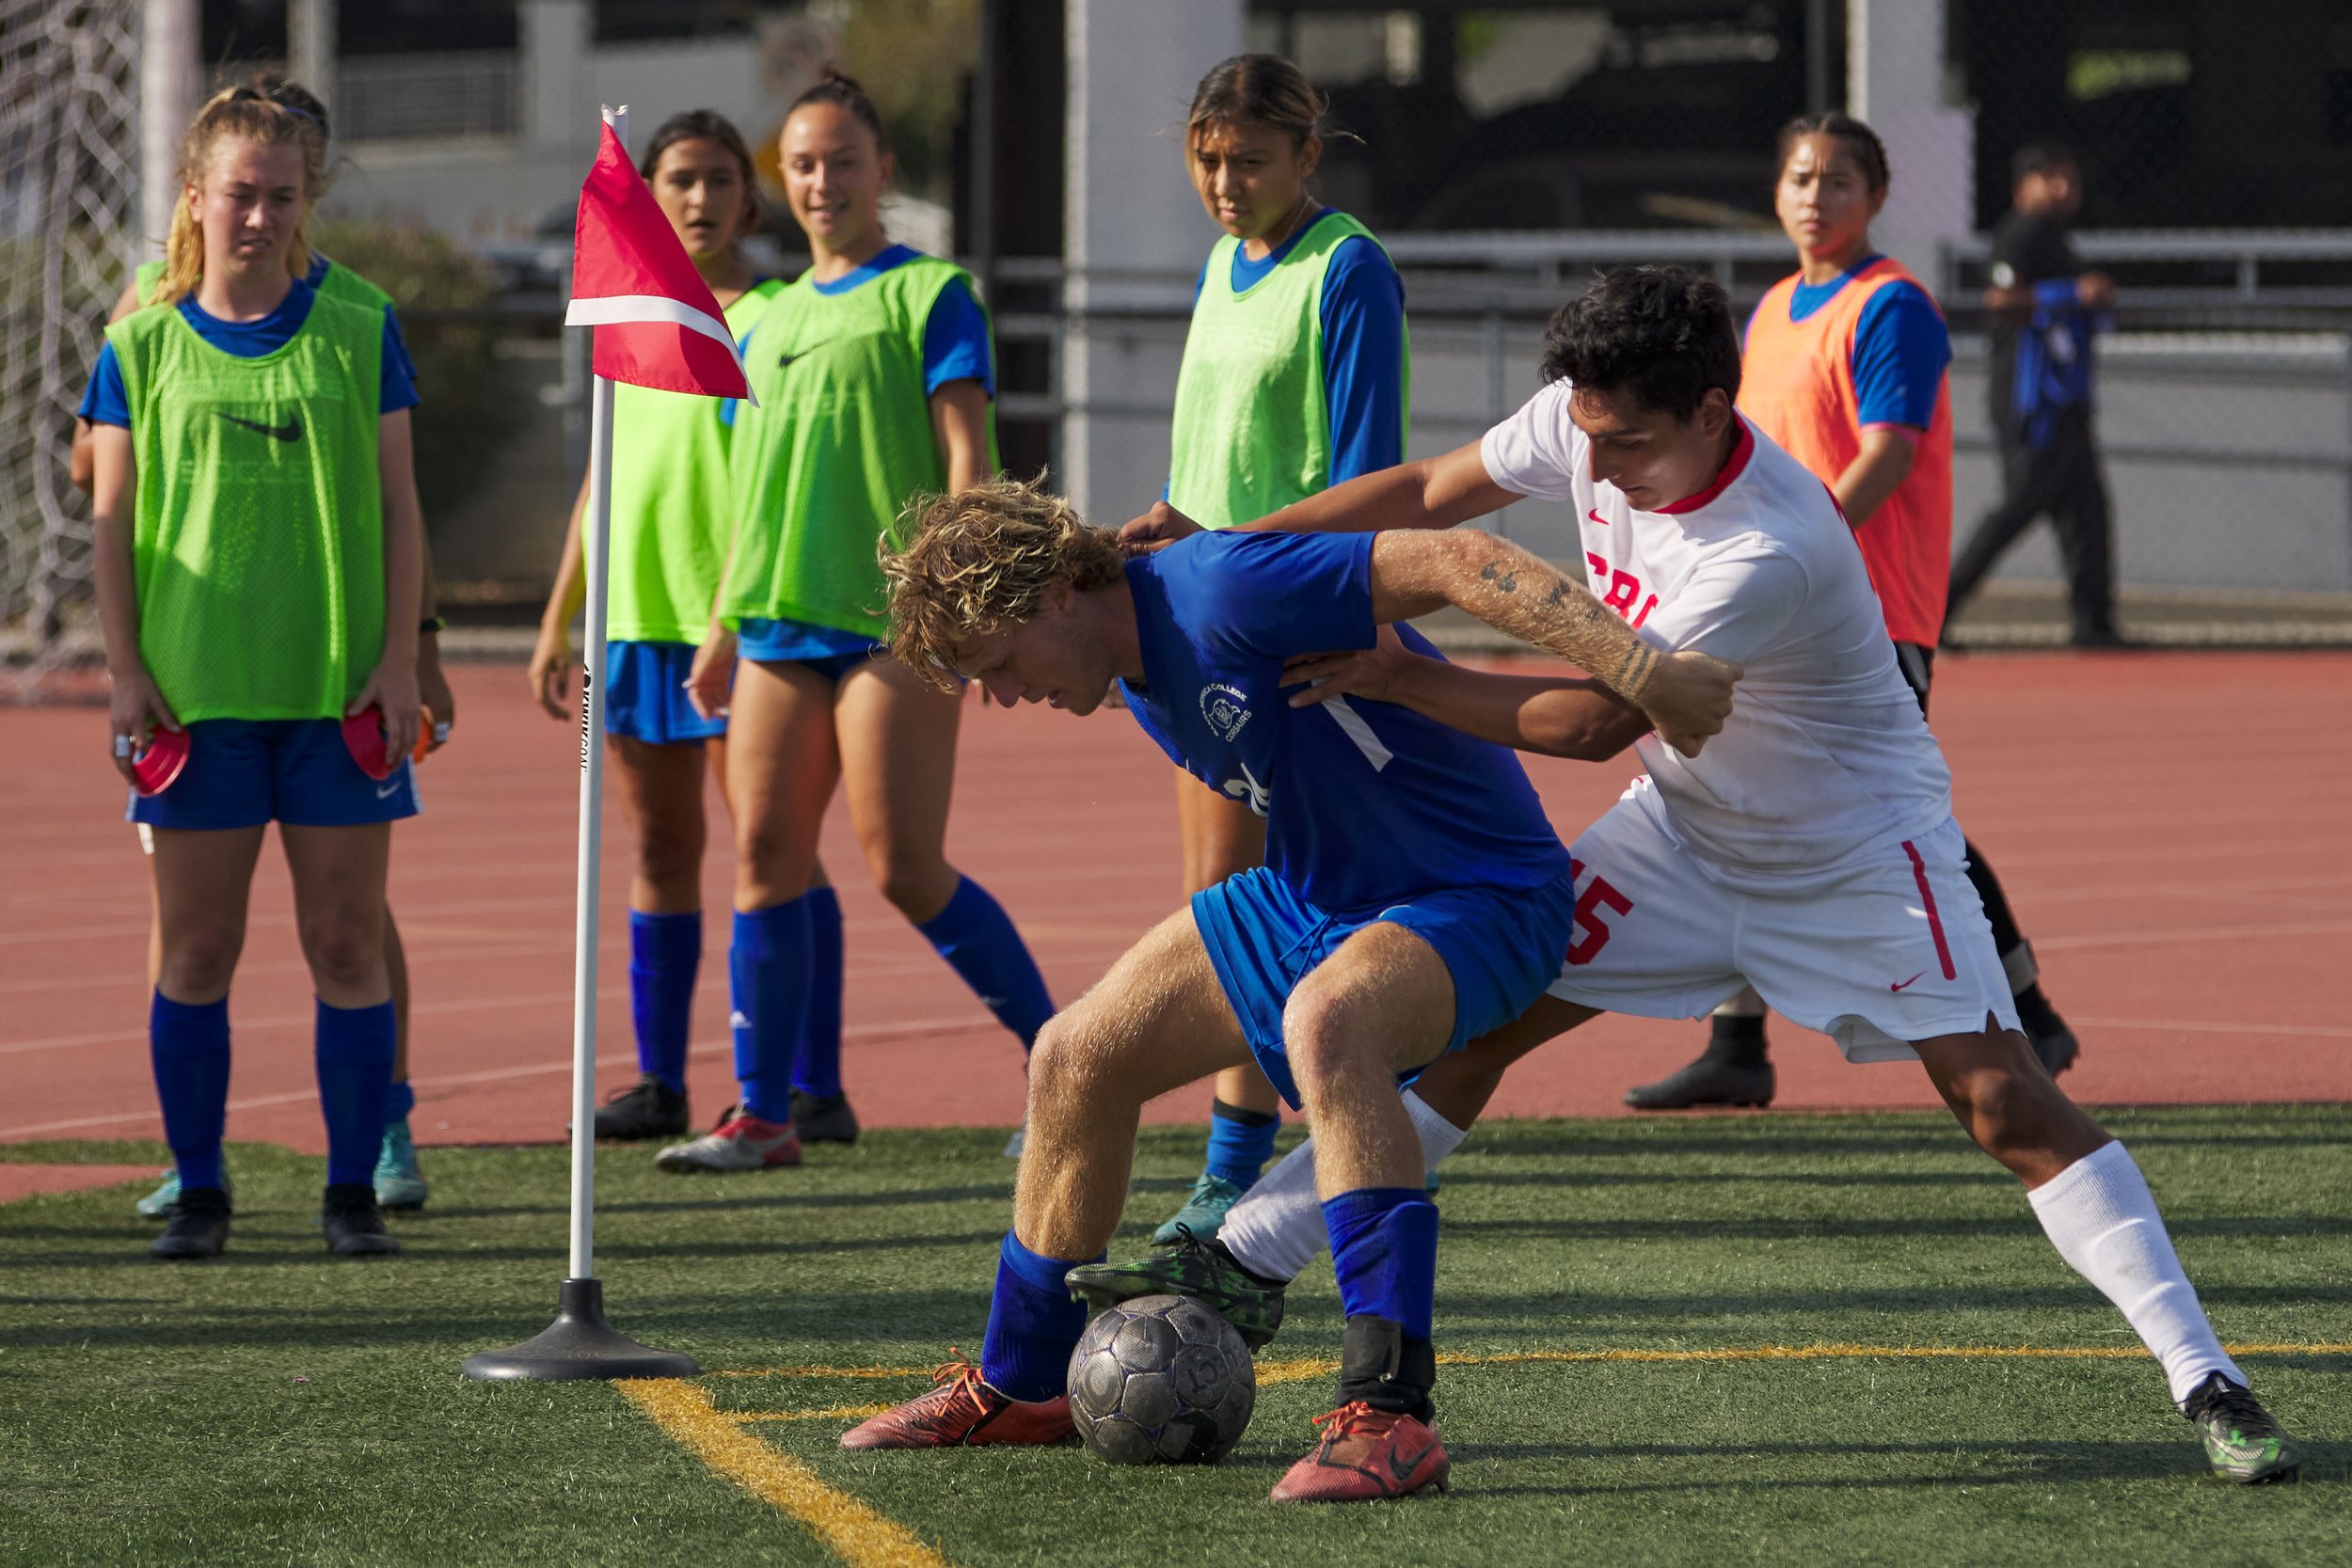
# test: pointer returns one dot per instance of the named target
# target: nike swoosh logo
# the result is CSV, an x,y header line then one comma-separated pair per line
x,y
290,430
1403,1467
1594,512
1899,986
385,792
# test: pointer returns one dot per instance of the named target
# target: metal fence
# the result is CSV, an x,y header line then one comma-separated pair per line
x,y
68,231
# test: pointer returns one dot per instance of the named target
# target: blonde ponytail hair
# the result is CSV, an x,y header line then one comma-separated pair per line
x,y
252,115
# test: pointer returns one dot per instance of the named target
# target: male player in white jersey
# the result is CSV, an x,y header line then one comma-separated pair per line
x,y
1809,850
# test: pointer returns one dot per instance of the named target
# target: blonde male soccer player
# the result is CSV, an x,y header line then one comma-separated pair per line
x,y
1412,898
1809,850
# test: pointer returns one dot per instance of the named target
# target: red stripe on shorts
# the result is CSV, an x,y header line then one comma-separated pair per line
x,y
1935,922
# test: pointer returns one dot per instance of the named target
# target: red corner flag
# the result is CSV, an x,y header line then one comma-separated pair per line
x,y
656,322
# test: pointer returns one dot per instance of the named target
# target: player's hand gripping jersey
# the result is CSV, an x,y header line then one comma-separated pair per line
x,y
1826,756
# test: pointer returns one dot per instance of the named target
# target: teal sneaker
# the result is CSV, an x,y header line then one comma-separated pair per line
x,y
1203,1269
399,1185
2242,1443
1203,1211
159,1204
164,1202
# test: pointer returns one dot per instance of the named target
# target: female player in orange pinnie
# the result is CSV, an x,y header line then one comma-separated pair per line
x,y
875,377
245,406
1845,366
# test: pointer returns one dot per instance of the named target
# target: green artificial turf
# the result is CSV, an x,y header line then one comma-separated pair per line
x,y
280,1407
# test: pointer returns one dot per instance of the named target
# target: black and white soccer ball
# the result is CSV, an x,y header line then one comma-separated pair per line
x,y
1161,1380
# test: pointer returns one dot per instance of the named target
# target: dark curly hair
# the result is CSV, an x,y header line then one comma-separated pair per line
x,y
1664,333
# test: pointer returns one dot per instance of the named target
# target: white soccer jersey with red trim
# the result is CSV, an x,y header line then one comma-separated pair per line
x,y
1825,755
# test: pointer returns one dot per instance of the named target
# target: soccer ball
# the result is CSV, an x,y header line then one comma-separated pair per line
x,y
1161,1380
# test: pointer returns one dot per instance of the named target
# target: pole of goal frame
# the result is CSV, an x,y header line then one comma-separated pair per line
x,y
579,1343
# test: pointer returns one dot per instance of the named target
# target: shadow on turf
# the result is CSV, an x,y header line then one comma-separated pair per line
x,y
1802,1135
2029,1462
2013,1222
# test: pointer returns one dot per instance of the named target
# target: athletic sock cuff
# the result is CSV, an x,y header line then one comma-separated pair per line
x,y
1244,1114
365,1037
188,1028
1038,1270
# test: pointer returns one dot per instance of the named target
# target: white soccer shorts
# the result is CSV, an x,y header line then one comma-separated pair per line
x,y
1888,948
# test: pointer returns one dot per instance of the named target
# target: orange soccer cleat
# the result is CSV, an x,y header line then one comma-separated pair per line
x,y
963,1410
1365,1455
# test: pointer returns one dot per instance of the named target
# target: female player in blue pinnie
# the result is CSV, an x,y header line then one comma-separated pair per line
x,y
1296,378
671,520
874,376
257,559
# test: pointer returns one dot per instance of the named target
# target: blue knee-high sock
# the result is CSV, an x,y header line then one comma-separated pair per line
x,y
398,1102
977,938
1033,1325
816,1067
1241,1141
665,956
1384,1248
354,1050
768,969
189,1045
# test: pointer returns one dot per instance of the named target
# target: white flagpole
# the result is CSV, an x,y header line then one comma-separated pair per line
x,y
595,537
580,1343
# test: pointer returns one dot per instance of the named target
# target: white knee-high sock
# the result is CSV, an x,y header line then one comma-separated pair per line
x,y
1277,1229
2099,1216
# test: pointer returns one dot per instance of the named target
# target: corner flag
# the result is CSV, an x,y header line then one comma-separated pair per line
x,y
656,322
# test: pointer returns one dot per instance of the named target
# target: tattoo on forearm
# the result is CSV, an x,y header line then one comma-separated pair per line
x,y
1564,619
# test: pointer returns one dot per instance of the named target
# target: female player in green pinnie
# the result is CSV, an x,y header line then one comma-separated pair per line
x,y
1296,378
257,555
400,1182
874,375
672,515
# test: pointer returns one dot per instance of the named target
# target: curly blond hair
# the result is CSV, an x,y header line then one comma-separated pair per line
x,y
979,561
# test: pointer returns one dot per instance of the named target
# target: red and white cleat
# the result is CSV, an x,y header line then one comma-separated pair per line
x,y
964,1411
1366,1454
740,1142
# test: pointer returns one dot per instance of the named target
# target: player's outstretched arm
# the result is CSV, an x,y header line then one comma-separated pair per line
x,y
1687,695
1556,715
1433,493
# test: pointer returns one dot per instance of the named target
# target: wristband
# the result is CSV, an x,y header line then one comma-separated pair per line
x,y
431,624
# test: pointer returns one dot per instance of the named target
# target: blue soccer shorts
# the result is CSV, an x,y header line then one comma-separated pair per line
x,y
242,772
645,695
1501,946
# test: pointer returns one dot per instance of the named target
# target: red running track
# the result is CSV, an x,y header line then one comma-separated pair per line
x,y
2172,829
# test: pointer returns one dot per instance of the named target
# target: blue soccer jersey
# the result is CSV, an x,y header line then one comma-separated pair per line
x,y
1366,804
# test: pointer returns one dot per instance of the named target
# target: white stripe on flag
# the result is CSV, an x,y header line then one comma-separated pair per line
x,y
619,309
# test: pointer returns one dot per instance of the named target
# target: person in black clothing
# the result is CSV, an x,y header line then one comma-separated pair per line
x,y
2045,307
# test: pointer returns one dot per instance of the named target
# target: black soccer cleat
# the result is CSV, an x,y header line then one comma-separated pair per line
x,y
651,1108
1707,1080
199,1226
2243,1442
823,1118
354,1223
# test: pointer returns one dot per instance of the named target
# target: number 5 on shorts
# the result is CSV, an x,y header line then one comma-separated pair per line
x,y
1592,931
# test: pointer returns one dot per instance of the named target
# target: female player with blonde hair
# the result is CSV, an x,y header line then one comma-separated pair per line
x,y
399,1180
874,375
1845,366
257,563
1296,378
670,521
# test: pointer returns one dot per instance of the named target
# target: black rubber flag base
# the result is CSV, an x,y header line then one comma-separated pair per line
x,y
579,1344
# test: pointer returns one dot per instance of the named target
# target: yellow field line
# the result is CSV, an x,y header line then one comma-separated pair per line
x,y
854,1532
838,1413
1291,1371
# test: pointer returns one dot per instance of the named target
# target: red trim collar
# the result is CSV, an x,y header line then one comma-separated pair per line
x,y
1733,465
